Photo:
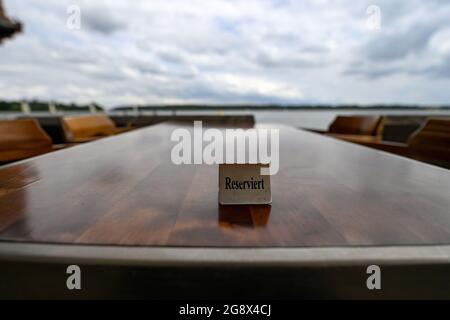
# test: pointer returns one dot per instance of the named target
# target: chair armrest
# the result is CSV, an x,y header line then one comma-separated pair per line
x,y
355,138
314,130
83,140
391,147
61,146
123,129
375,142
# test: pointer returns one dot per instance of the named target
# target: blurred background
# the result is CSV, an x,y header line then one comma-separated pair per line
x,y
228,52
301,63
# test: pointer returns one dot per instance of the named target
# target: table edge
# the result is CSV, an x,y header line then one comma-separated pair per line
x,y
196,256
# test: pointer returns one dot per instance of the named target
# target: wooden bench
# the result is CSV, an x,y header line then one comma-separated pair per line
x,y
360,125
430,143
86,128
20,139
356,128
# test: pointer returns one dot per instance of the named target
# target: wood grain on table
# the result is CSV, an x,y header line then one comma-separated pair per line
x,y
124,190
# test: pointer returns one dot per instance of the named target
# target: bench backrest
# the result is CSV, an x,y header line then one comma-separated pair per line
x,y
87,126
364,125
22,138
431,142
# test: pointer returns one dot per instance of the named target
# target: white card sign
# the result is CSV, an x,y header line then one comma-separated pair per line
x,y
243,184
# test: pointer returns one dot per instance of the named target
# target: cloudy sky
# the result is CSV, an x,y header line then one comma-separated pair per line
x,y
229,51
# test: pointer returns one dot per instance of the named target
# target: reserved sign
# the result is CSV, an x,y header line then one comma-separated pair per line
x,y
243,184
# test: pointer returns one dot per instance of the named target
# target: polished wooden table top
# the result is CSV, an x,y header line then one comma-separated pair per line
x,y
124,190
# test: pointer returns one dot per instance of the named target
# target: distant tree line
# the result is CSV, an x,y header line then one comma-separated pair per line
x,y
40,106
274,107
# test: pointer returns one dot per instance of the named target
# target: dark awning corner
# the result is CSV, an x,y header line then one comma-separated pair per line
x,y
8,27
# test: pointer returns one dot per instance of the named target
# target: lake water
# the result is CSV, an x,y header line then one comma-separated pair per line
x,y
313,119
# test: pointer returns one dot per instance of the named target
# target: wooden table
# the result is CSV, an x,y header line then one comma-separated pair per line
x,y
120,202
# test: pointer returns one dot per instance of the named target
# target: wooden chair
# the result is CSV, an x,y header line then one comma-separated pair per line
x,y
356,128
430,143
21,139
360,125
89,127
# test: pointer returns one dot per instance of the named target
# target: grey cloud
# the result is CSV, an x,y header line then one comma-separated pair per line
x,y
398,45
402,47
208,93
171,56
407,27
372,71
148,68
375,71
439,70
101,20
313,57
171,50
